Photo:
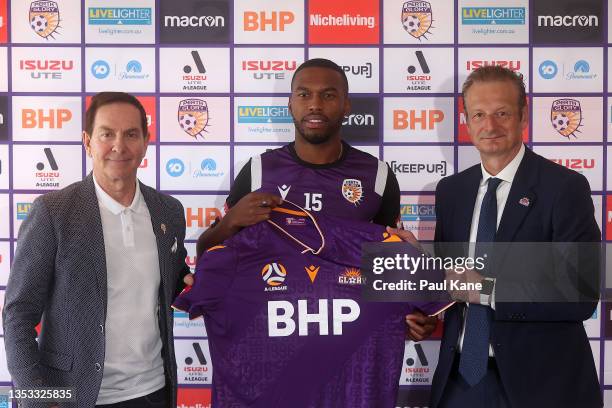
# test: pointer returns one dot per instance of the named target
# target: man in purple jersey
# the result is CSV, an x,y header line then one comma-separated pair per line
x,y
318,171
286,320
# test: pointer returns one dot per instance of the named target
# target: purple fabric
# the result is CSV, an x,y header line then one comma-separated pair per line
x,y
252,368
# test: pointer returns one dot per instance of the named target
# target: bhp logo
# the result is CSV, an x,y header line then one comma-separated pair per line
x,y
38,118
267,21
201,217
422,119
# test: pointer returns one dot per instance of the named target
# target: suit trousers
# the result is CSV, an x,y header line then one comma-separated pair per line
x,y
157,399
488,393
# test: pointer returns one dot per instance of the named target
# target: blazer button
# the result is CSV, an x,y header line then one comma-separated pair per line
x,y
98,367
102,328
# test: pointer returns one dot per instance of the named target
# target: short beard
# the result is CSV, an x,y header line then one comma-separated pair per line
x,y
317,138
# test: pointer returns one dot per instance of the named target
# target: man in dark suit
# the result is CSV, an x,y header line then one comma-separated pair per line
x,y
98,263
512,354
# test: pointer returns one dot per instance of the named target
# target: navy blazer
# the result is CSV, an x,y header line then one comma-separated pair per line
x,y
541,349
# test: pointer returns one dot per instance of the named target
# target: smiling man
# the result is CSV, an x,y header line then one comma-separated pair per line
x,y
319,171
98,264
503,354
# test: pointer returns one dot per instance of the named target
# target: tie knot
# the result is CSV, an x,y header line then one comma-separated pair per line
x,y
493,184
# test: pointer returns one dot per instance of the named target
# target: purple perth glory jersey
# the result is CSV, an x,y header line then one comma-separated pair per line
x,y
286,322
352,188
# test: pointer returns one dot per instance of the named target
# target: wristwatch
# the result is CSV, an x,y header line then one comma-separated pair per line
x,y
487,290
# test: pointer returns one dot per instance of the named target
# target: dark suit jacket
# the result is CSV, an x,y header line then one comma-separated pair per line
x,y
541,349
59,275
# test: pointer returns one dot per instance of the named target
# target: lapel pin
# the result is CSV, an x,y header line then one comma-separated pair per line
x,y
524,201
163,228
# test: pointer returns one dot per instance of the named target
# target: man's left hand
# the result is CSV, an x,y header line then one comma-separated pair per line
x,y
456,279
420,326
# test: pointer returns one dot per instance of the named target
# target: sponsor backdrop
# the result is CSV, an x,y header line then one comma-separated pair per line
x,y
214,76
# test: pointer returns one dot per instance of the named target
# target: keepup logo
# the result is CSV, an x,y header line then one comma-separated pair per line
x,y
47,70
269,73
43,118
361,66
354,22
567,21
44,18
129,23
4,118
3,22
194,398
361,125
269,22
464,135
419,168
194,21
193,361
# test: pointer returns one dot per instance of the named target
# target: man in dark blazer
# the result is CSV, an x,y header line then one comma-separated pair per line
x,y
98,263
513,354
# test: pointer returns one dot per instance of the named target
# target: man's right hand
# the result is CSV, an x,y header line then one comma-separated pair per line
x,y
251,209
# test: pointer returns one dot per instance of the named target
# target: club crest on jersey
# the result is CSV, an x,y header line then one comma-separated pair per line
x,y
417,18
274,275
351,276
566,116
352,191
44,18
193,117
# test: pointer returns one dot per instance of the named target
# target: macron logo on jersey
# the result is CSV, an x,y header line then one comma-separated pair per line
x,y
284,190
281,322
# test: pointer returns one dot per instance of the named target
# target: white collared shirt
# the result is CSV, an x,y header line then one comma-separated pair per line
x,y
133,365
502,192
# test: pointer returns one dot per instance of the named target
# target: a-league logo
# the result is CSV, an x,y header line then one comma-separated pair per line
x,y
44,18
417,18
566,117
193,117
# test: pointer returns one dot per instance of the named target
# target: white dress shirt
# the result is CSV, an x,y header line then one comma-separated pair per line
x,y
133,365
502,192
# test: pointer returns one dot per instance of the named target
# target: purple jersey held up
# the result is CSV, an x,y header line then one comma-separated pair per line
x,y
286,322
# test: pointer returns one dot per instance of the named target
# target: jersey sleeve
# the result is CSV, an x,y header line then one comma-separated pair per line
x,y
241,186
389,211
213,278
